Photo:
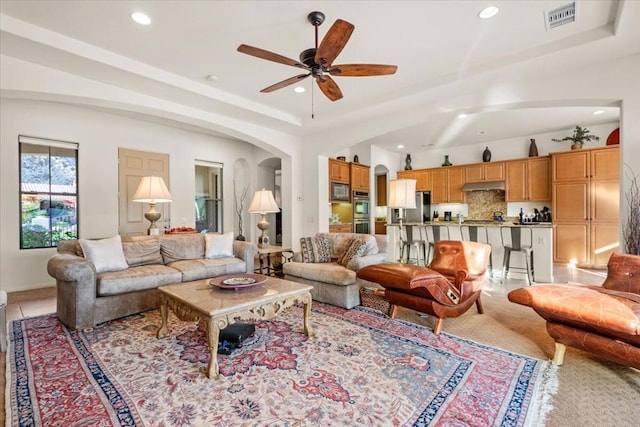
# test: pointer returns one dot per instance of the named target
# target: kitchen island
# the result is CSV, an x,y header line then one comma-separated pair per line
x,y
542,242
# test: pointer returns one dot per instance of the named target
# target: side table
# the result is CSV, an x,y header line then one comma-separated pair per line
x,y
264,259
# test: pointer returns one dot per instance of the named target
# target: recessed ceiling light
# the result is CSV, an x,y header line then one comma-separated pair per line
x,y
598,112
488,12
400,146
462,116
481,132
140,18
212,78
299,89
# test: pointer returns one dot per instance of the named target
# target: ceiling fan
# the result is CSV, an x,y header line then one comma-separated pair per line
x,y
318,61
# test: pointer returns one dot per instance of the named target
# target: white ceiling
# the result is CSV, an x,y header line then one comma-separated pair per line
x,y
432,42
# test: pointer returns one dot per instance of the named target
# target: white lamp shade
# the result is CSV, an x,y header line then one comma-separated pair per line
x,y
263,202
152,189
402,193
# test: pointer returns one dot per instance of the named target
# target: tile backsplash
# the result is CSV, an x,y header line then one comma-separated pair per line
x,y
482,204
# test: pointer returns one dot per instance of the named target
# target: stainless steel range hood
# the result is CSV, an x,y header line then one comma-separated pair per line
x,y
484,186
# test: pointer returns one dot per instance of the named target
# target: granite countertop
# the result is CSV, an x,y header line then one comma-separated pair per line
x,y
478,224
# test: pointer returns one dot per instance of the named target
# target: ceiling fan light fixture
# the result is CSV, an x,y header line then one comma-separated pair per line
x,y
299,89
140,18
488,12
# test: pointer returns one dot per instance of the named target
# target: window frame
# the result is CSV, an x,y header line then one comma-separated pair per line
x,y
49,143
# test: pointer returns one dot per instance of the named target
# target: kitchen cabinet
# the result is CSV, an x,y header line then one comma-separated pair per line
x,y
422,177
539,178
381,227
339,171
528,180
381,190
484,172
406,174
359,177
339,228
446,185
423,183
586,189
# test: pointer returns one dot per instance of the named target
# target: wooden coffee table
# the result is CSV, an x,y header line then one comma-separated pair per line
x,y
218,308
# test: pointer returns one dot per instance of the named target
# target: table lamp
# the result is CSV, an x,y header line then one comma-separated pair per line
x,y
402,195
152,189
263,203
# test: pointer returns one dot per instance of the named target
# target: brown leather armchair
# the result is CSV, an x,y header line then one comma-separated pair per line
x,y
447,288
604,320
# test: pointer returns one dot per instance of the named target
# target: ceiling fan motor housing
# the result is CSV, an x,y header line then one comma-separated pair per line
x,y
316,18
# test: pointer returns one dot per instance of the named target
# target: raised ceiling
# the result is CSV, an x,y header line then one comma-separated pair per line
x,y
432,42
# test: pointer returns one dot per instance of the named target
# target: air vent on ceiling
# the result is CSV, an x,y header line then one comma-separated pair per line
x,y
560,16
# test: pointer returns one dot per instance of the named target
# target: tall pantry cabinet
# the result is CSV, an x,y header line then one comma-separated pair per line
x,y
586,191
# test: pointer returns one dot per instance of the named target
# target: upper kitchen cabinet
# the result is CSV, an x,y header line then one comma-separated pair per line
x,y
339,171
422,177
528,180
359,177
539,178
406,174
484,172
446,185
596,163
423,181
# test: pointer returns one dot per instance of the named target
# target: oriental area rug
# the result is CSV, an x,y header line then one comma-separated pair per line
x,y
360,368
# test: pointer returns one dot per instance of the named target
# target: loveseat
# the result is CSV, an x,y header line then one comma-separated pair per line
x,y
107,279
329,262
604,320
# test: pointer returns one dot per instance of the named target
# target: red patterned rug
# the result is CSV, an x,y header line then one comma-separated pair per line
x,y
361,368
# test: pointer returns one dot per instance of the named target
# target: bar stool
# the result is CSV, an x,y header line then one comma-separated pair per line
x,y
435,233
410,241
478,233
512,242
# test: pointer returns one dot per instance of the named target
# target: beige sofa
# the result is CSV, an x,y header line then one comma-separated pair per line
x,y
332,282
86,298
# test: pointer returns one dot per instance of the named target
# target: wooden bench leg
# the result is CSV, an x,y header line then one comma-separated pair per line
x,y
438,326
393,309
479,305
558,356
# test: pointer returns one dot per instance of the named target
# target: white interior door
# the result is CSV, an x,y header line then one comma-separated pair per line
x,y
133,165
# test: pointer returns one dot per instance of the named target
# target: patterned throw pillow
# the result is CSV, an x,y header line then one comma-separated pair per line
x,y
356,248
315,249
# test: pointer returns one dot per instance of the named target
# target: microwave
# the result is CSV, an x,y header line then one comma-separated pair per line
x,y
339,192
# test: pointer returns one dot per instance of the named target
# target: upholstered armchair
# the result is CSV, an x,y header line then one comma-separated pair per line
x,y
603,320
447,288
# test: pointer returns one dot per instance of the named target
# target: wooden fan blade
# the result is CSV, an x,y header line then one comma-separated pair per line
x,y
329,87
362,70
270,56
333,42
285,83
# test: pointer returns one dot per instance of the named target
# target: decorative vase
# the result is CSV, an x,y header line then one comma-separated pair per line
x,y
407,163
446,161
355,159
533,148
486,155
576,146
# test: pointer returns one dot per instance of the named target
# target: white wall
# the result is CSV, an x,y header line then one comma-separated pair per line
x,y
99,135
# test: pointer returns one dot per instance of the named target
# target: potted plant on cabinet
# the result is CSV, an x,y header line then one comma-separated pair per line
x,y
579,137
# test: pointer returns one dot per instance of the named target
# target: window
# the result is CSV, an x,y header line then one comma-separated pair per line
x,y
208,196
48,192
